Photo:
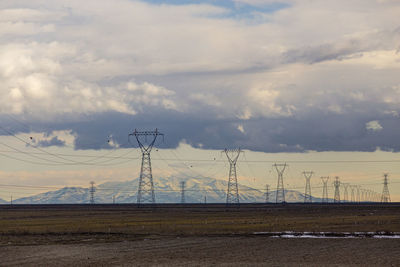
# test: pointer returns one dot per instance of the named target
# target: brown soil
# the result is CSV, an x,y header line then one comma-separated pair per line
x,y
207,251
176,235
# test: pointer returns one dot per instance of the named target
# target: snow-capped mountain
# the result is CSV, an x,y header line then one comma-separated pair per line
x,y
167,190
2,201
66,195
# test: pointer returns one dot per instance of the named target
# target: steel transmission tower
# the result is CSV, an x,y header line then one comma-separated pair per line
x,y
280,189
336,183
346,193
146,186
232,196
307,193
353,197
92,190
183,192
385,193
325,189
358,193
267,193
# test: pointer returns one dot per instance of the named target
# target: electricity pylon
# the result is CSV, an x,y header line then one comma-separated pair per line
x,y
267,193
358,193
146,186
325,189
385,193
353,196
92,190
183,192
346,193
307,193
232,196
280,189
336,183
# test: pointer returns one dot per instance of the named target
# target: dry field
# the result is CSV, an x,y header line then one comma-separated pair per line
x,y
195,235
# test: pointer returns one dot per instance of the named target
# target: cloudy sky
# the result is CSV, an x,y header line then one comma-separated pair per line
x,y
288,79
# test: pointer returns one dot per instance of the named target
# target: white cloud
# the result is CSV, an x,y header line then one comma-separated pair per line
x,y
311,57
241,128
373,126
34,81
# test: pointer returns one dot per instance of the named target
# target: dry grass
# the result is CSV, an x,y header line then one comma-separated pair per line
x,y
129,221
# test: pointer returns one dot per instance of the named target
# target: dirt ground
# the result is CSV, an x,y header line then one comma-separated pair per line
x,y
209,251
193,235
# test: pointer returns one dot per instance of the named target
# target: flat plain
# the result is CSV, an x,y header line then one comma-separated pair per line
x,y
195,234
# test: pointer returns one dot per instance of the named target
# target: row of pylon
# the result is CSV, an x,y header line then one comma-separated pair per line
x,y
146,187
357,193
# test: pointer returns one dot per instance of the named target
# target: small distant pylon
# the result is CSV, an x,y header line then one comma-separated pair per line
x,y
353,196
307,193
346,192
92,190
267,193
183,192
325,189
280,189
358,193
362,194
232,196
385,193
336,183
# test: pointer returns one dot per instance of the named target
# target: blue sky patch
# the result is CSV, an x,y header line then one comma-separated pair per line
x,y
238,10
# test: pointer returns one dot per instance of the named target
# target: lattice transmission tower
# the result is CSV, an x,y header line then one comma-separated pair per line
x,y
385,193
325,189
280,189
232,195
358,193
92,190
146,186
336,184
307,192
346,192
362,194
353,196
267,193
183,192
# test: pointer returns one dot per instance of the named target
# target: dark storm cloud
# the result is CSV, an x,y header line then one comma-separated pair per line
x,y
319,132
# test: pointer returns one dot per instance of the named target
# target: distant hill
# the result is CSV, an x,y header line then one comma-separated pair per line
x,y
67,195
167,190
2,201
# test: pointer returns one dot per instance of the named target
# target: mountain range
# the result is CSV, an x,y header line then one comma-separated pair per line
x,y
167,190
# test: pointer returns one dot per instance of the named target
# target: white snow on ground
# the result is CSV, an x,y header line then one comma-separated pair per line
x,y
326,235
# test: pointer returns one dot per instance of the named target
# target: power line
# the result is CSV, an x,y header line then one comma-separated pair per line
x,y
51,161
